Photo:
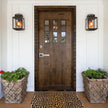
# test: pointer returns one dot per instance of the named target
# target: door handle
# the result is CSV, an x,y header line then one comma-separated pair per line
x,y
43,55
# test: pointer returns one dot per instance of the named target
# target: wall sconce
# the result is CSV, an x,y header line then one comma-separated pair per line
x,y
91,22
18,22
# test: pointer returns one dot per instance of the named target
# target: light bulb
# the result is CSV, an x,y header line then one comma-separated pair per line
x,y
19,24
91,24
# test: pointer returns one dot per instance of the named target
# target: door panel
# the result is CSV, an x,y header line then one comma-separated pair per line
x,y
55,50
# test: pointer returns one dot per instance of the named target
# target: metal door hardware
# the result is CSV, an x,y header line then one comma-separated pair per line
x,y
43,55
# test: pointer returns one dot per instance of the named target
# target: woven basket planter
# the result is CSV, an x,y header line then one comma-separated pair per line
x,y
95,89
15,92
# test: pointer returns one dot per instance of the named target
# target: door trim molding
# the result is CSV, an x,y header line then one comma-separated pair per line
x,y
37,9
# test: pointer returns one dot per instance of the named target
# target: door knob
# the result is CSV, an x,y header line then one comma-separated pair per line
x,y
43,55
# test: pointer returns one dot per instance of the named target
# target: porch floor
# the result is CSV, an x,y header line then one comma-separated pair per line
x,y
27,101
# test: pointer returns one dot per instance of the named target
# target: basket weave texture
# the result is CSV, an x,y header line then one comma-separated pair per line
x,y
95,89
15,92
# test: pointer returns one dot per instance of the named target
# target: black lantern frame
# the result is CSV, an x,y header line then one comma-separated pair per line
x,y
91,23
18,19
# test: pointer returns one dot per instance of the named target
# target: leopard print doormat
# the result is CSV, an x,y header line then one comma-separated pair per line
x,y
50,99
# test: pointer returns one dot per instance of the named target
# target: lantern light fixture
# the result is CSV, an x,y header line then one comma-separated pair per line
x,y
91,22
18,22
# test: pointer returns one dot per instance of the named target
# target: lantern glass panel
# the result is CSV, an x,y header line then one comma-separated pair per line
x,y
96,23
14,23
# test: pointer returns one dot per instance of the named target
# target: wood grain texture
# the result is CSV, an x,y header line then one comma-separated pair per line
x,y
56,72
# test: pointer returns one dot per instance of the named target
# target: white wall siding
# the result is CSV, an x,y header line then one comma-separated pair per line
x,y
105,35
3,38
0,43
0,30
21,43
4,35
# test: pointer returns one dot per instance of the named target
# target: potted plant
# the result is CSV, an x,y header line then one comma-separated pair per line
x,y
15,85
95,85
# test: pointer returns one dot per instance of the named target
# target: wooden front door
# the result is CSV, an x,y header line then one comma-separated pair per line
x,y
55,50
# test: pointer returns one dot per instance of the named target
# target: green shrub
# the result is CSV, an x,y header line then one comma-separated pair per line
x,y
15,75
95,74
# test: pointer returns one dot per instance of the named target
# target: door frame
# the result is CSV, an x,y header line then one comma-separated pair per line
x,y
37,9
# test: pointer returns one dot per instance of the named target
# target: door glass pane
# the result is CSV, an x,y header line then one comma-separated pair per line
x,y
63,34
55,28
54,34
46,28
54,22
55,40
46,40
63,22
46,22
63,28
63,40
46,34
